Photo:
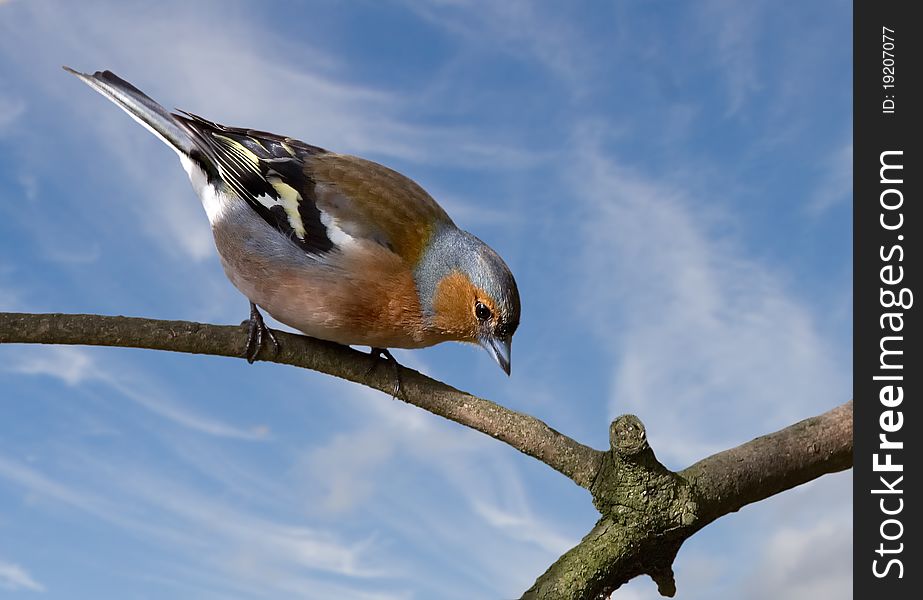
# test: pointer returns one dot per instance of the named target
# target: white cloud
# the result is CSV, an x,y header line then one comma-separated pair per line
x,y
519,28
10,299
71,256
518,523
804,563
734,31
470,214
35,482
213,543
835,185
711,347
345,467
74,366
69,364
15,578
11,109
470,477
257,532
249,537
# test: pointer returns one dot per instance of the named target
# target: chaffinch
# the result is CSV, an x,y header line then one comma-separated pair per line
x,y
335,246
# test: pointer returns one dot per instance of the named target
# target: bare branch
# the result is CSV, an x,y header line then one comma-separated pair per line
x,y
523,432
774,463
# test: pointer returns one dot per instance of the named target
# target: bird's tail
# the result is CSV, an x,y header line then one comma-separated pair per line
x,y
142,109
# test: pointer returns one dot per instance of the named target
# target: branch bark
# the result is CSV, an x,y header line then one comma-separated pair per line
x,y
773,463
647,511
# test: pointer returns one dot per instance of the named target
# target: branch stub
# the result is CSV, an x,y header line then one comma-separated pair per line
x,y
627,436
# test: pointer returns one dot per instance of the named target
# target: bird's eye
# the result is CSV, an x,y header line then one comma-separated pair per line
x,y
481,312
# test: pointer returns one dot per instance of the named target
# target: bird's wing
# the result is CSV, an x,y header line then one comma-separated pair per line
x,y
321,200
267,171
368,201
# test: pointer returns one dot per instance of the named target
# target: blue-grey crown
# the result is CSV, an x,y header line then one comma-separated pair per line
x,y
453,249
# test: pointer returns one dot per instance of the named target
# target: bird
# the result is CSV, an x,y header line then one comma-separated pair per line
x,y
335,246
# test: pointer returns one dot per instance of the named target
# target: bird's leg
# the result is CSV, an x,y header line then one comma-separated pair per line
x,y
386,355
256,331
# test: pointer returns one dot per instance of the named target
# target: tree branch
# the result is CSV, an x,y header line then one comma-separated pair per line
x,y
729,480
647,511
523,432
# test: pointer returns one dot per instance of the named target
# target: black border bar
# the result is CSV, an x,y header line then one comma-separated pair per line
x,y
887,68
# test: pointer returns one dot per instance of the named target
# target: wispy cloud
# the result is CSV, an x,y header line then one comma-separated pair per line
x,y
734,32
477,483
706,334
11,109
835,183
15,578
256,530
520,524
245,534
520,28
48,488
250,552
75,366
69,364
10,297
345,467
804,563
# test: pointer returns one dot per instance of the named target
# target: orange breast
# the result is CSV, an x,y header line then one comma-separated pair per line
x,y
366,298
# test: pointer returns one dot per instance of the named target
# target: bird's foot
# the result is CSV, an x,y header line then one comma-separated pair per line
x,y
257,333
384,354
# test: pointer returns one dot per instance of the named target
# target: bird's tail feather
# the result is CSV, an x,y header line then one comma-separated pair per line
x,y
141,108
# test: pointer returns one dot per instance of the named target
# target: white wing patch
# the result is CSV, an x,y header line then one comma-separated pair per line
x,y
213,202
335,233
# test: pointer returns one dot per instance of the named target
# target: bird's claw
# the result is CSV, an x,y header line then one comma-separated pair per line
x,y
384,354
257,332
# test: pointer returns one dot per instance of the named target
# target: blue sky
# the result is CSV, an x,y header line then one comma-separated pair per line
x,y
670,182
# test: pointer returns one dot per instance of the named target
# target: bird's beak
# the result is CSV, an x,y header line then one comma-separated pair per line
x,y
499,349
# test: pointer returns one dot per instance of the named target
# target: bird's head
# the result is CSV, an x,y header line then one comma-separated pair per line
x,y
469,293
